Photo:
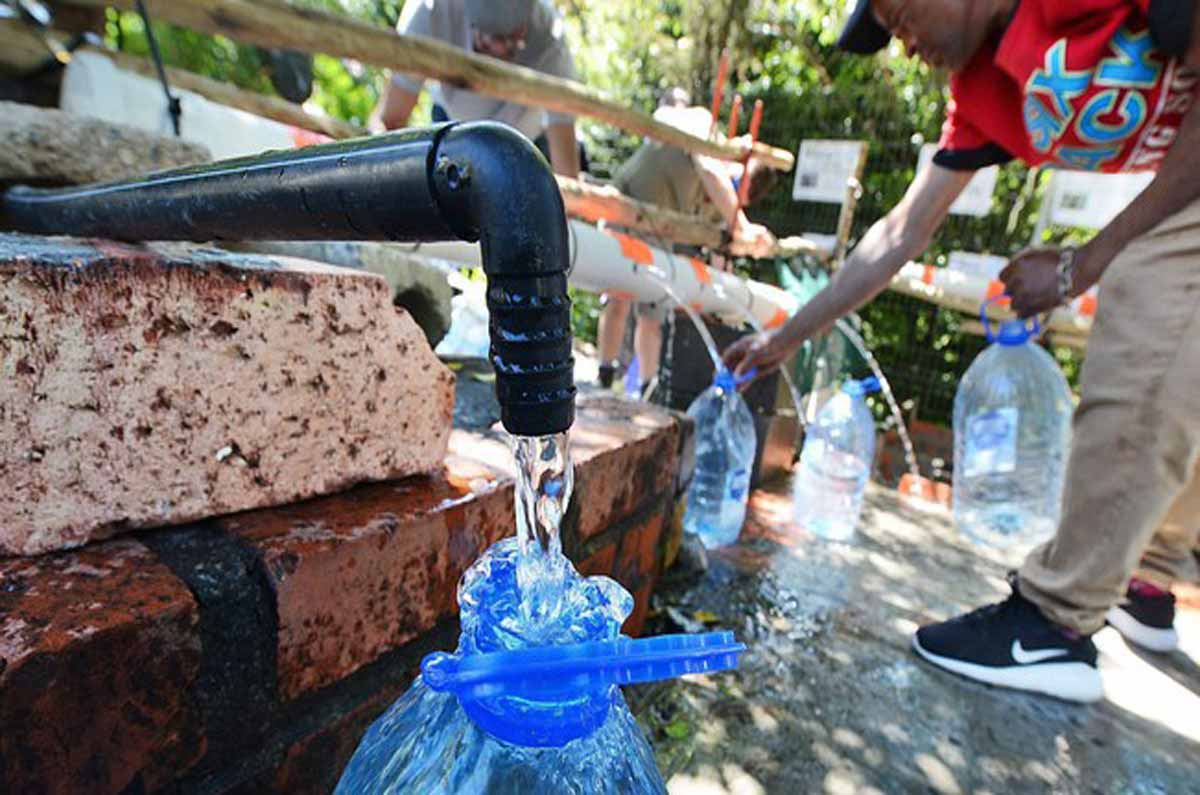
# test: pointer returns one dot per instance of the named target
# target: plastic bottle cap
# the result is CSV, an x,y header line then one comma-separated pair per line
x,y
488,684
727,381
860,388
1013,332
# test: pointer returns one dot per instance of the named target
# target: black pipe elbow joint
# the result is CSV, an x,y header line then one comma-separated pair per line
x,y
495,187
478,181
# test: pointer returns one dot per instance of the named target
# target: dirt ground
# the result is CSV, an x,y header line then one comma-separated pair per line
x,y
829,699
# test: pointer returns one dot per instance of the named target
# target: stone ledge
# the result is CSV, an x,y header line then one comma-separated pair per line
x,y
44,145
143,386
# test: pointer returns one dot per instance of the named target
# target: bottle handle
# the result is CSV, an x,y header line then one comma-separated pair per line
x,y
988,333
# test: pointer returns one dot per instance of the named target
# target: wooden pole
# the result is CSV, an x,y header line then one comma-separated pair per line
x,y
273,23
596,203
849,205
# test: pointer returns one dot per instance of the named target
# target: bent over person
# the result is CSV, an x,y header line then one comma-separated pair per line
x,y
1102,85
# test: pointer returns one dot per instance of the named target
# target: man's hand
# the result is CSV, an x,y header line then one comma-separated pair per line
x,y
752,240
762,352
1031,278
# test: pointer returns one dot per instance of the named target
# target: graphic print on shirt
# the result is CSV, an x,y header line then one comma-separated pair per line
x,y
1124,111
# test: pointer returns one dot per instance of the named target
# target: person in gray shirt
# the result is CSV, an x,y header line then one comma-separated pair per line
x,y
528,33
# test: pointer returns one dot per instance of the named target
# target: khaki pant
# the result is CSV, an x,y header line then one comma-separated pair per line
x,y
1132,498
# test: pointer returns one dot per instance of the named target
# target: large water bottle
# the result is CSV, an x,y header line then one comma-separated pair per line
x,y
1012,432
835,465
529,703
725,446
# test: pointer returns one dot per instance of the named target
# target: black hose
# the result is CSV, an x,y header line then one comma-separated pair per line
x,y
477,181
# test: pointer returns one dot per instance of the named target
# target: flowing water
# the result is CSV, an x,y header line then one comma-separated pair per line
x,y
910,456
522,592
545,479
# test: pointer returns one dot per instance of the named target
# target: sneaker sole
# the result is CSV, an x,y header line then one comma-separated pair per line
x,y
1134,631
1073,681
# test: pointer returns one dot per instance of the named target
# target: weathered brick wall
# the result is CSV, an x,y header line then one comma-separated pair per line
x,y
144,386
248,654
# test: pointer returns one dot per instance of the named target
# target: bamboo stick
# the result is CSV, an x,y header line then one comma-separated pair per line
x,y
272,23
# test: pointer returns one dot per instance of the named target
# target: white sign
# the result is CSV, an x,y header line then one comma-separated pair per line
x,y
976,198
981,266
824,169
1088,200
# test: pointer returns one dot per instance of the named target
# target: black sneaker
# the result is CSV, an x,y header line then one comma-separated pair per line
x,y
1146,617
1011,644
607,374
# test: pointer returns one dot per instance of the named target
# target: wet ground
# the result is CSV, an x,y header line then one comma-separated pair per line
x,y
830,700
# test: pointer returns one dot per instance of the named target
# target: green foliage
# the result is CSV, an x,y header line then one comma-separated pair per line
x,y
585,314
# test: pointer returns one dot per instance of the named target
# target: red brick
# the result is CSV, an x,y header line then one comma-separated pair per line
x,y
599,562
637,559
360,573
98,650
313,765
626,454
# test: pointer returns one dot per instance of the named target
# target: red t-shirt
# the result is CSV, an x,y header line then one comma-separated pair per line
x,y
1077,84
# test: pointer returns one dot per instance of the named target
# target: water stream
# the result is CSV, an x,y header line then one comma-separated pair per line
x,y
910,456
545,479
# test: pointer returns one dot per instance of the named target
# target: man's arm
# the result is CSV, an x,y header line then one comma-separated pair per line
x,y
564,149
394,109
1032,279
891,242
749,238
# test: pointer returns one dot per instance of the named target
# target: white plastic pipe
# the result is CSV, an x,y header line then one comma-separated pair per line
x,y
605,261
965,292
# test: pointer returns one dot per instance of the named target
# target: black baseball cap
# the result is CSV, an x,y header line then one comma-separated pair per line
x,y
863,34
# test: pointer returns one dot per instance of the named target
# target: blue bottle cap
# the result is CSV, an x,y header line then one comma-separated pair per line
x,y
727,381
491,687
1013,332
862,387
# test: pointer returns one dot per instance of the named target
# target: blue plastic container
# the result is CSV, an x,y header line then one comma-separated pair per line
x,y
725,447
1012,434
526,707
835,465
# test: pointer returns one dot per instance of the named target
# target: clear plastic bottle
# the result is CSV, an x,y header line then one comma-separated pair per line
x,y
426,743
835,465
1012,433
725,447
529,705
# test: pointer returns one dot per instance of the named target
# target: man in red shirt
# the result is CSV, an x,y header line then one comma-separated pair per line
x,y
1105,85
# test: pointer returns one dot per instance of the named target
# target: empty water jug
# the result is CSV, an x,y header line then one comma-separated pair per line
x,y
725,447
529,704
1012,432
835,465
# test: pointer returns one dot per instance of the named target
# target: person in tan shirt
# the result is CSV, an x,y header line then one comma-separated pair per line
x,y
671,178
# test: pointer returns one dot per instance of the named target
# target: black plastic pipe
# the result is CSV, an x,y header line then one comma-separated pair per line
x,y
477,181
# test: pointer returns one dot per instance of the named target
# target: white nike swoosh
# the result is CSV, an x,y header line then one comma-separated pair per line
x,y
1023,657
